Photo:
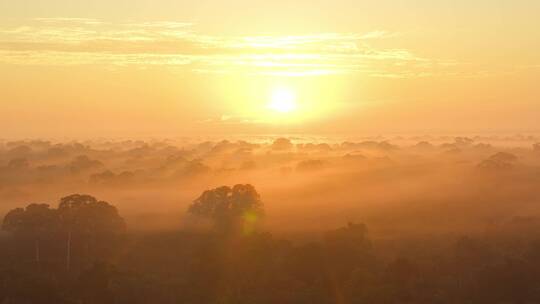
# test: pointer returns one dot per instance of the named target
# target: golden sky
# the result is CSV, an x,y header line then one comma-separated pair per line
x,y
125,68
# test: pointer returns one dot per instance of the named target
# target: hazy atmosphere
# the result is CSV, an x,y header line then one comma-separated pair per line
x,y
239,152
131,68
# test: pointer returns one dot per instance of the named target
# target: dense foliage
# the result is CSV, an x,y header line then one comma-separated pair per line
x,y
81,253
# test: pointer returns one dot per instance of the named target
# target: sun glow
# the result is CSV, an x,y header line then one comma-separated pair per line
x,y
282,100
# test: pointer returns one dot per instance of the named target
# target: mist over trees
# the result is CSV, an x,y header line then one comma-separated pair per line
x,y
229,264
282,220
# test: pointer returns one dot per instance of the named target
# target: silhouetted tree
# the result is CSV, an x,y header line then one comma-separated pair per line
x,y
499,161
87,220
401,276
35,222
19,287
310,165
231,209
18,164
504,157
347,249
94,284
281,144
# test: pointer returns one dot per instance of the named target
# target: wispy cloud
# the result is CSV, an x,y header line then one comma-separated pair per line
x,y
230,120
60,20
80,41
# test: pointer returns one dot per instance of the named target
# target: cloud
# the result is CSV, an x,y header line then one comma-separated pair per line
x,y
67,20
81,41
226,119
377,34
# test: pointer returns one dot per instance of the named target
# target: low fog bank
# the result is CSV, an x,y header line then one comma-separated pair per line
x,y
417,186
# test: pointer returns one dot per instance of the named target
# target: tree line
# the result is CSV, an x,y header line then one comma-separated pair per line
x,y
81,252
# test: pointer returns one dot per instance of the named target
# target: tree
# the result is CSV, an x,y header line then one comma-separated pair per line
x,y
94,284
348,248
281,144
235,209
402,278
88,221
504,157
35,222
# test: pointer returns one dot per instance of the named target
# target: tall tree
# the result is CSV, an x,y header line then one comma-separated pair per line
x,y
35,222
88,221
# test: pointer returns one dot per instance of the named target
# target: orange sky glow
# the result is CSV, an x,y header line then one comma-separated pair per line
x,y
165,68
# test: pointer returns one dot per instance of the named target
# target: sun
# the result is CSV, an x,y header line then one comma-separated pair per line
x,y
282,100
